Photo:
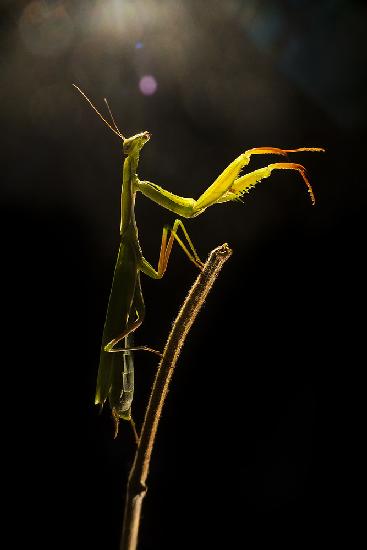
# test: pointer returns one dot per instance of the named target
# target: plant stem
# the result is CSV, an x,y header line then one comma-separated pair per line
x,y
136,487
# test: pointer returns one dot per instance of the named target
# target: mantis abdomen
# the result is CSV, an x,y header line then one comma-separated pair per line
x,y
122,381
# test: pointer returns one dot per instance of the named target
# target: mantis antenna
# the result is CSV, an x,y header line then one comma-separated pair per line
x,y
111,115
114,130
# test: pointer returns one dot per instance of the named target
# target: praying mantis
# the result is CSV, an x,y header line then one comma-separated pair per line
x,y
126,310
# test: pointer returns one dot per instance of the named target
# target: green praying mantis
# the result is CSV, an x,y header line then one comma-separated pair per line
x,y
126,310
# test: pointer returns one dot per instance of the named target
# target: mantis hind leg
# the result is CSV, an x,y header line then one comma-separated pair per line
x,y
136,318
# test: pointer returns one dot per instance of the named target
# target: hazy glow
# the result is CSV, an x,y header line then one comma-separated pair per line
x,y
45,29
148,85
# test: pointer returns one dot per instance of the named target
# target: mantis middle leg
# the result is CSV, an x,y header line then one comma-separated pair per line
x,y
166,249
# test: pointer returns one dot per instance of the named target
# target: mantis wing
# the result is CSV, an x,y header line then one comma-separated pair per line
x,y
118,312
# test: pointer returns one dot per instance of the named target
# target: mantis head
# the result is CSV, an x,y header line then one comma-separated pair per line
x,y
135,143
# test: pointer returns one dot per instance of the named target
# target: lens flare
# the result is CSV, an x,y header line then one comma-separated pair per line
x,y
148,85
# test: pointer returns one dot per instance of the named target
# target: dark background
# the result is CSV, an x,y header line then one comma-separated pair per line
x,y
259,441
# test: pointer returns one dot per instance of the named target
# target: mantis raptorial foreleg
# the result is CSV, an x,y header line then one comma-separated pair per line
x,y
228,186
248,181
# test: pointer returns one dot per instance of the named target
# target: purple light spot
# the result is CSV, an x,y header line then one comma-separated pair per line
x,y
148,85
139,45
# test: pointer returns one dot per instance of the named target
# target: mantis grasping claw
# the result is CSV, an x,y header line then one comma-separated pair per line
x,y
125,311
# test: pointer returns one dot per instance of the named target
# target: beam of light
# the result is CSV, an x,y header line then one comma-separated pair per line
x,y
117,20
